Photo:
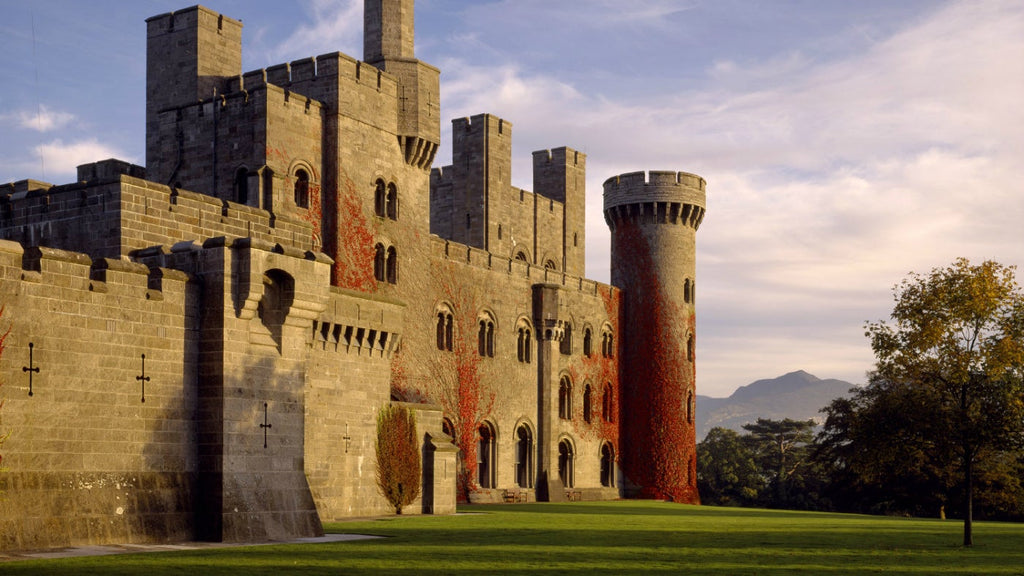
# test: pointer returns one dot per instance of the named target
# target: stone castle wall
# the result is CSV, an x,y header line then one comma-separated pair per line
x,y
87,459
109,214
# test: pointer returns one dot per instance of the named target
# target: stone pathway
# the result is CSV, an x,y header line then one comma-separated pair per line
x,y
141,548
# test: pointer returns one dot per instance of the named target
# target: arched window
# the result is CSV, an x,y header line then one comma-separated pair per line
x,y
378,262
587,403
447,427
524,457
691,406
565,346
565,463
301,188
565,398
607,465
608,404
380,200
486,455
607,344
242,185
587,343
689,348
485,336
524,348
391,266
392,202
686,291
445,329
521,256
549,264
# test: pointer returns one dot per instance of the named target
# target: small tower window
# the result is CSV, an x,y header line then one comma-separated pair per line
x,y
242,185
380,199
587,344
379,263
587,404
392,202
391,266
302,189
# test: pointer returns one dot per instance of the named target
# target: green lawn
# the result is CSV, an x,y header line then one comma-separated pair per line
x,y
601,538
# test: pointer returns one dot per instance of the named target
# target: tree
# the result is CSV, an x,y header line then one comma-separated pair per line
x,y
726,472
882,452
398,456
781,448
958,339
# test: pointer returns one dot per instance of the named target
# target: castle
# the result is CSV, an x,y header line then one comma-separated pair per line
x,y
199,348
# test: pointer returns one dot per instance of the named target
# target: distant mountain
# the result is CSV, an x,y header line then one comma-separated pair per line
x,y
797,395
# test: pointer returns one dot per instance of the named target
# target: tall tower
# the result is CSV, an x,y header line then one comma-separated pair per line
x,y
654,219
560,174
388,31
189,54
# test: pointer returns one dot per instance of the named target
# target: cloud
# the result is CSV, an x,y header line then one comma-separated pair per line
x,y
830,176
61,160
41,120
336,26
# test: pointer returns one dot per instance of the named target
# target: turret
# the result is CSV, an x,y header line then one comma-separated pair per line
x,y
189,55
388,31
654,219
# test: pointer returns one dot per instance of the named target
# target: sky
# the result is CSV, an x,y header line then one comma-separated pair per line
x,y
845,144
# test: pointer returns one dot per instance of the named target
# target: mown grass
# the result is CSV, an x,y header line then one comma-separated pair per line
x,y
601,538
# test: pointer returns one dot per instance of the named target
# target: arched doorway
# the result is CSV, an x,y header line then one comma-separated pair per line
x,y
565,463
524,457
607,465
486,455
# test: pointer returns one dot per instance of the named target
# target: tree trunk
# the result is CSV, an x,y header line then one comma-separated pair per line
x,y
969,502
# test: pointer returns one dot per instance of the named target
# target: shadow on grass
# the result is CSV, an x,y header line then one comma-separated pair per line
x,y
599,539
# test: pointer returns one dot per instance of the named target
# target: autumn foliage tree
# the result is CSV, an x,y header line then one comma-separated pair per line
x,y
398,456
957,342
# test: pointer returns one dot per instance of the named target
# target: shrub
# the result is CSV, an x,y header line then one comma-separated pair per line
x,y
398,456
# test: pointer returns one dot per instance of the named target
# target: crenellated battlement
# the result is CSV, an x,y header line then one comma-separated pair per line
x,y
76,271
327,68
655,197
441,248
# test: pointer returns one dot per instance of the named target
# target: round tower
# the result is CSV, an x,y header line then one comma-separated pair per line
x,y
654,218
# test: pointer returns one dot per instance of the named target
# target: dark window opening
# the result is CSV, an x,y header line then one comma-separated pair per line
x,y
486,453
524,457
565,464
391,266
565,399
380,199
607,465
392,202
242,186
302,189
444,330
378,262
587,407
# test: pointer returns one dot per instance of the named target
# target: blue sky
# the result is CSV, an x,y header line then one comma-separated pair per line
x,y
845,144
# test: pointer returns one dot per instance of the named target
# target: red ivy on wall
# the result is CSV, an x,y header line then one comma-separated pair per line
x,y
599,371
454,378
353,242
657,421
